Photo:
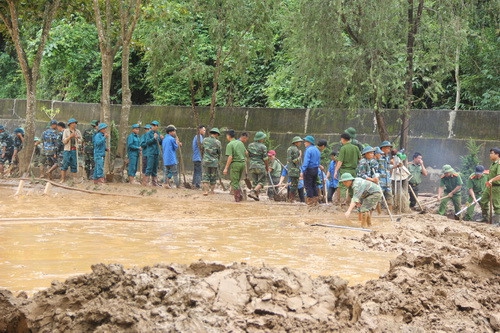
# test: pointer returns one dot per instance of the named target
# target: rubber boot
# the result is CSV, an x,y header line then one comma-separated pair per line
x,y
485,216
204,186
369,219
131,180
212,189
145,180
237,195
63,176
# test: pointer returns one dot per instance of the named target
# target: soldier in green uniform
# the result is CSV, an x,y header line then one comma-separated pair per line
x,y
492,193
352,133
274,173
368,166
451,184
347,162
211,150
417,170
88,148
476,184
294,163
257,153
236,154
133,152
366,196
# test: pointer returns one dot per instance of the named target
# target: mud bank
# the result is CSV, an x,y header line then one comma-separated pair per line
x,y
446,280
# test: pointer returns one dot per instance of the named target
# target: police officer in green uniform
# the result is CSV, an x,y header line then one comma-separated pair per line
x,y
451,184
211,151
347,162
352,133
133,152
492,193
236,155
476,184
293,160
88,148
257,152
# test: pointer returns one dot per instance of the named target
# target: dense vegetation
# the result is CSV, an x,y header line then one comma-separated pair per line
x,y
288,53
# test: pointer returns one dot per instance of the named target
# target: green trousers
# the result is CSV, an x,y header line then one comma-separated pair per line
x,y
236,171
485,200
457,202
470,211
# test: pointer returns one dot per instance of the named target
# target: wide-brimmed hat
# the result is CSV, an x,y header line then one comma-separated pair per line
x,y
385,144
297,139
102,126
447,169
259,136
368,149
214,130
378,151
346,177
310,139
72,120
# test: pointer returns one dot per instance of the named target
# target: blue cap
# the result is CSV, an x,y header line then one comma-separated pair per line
x,y
102,126
148,126
155,123
479,170
367,149
310,139
135,126
19,130
53,122
2,128
385,144
378,151
72,120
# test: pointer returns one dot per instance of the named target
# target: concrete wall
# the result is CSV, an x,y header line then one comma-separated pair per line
x,y
440,135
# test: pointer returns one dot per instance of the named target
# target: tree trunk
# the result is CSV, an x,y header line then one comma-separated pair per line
x,y
213,102
381,126
29,144
126,101
457,78
196,116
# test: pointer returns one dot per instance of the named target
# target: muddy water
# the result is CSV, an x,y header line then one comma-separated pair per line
x,y
34,253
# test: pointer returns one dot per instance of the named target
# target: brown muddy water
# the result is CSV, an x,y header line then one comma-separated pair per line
x,y
35,252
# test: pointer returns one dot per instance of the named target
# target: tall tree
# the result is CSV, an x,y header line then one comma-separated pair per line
x,y
130,11
23,21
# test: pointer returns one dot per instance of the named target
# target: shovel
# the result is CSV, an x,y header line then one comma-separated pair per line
x,y
272,183
247,181
186,184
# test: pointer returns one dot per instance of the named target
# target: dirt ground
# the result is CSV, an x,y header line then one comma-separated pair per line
x,y
176,261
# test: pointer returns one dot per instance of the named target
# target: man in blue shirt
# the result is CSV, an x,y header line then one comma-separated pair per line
x,y
309,170
198,155
100,149
170,145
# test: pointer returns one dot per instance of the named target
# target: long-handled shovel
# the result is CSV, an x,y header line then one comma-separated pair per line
x,y
272,183
416,198
467,206
247,180
388,209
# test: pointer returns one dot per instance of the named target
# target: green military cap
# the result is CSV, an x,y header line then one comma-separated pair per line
x,y
297,139
155,123
346,177
94,122
36,139
215,130
351,131
259,136
447,169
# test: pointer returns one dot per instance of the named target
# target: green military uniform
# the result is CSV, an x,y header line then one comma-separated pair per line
x,y
237,150
494,194
257,152
449,184
478,185
212,149
367,193
88,149
349,155
275,174
415,180
293,166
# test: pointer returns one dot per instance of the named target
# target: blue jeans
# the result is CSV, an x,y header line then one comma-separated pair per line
x,y
99,167
170,171
197,173
70,161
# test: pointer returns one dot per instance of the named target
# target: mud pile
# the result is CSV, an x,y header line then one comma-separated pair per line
x,y
447,279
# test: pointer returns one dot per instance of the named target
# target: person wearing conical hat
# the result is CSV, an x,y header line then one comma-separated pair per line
x,y
212,150
293,164
450,184
100,150
133,152
257,153
366,196
72,138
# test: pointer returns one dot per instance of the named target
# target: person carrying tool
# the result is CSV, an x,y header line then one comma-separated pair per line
x,y
274,173
236,154
309,170
152,142
212,150
347,162
88,147
133,152
144,147
100,149
257,152
293,164
49,152
366,196
476,185
491,196
332,183
7,146
368,166
417,170
71,138
197,158
385,166
450,184
170,146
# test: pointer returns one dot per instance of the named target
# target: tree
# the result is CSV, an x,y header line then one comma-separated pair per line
x,y
130,11
22,19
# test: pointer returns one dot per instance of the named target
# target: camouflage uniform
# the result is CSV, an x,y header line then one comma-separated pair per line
x,y
367,168
7,147
18,144
60,148
258,154
212,149
50,139
88,150
293,167
384,169
367,193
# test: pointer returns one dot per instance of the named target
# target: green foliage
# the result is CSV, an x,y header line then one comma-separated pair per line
x,y
114,137
269,142
12,84
469,162
51,113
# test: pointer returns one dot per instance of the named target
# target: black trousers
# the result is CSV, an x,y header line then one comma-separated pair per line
x,y
413,199
310,179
